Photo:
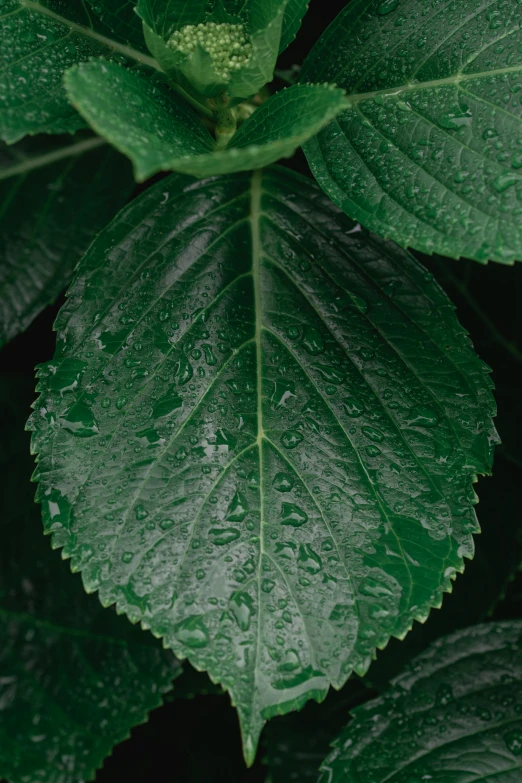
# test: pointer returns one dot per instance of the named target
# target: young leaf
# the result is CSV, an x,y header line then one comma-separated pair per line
x,y
259,435
294,13
454,715
75,678
429,154
205,67
56,195
159,131
39,40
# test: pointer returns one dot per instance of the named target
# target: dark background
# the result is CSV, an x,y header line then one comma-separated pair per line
x,y
198,739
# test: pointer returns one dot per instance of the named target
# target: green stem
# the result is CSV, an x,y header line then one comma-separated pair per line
x,y
225,119
200,107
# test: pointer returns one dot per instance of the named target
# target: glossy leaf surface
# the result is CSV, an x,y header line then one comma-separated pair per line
x,y
56,195
259,434
39,40
430,154
158,130
75,677
453,715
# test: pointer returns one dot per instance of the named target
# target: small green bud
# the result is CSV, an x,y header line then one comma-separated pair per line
x,y
227,44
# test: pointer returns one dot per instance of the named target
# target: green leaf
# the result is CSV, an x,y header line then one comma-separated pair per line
x,y
56,195
430,152
295,11
121,21
454,716
197,72
159,131
39,40
75,678
261,429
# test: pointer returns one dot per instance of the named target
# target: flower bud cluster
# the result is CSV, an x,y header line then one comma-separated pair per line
x,y
227,44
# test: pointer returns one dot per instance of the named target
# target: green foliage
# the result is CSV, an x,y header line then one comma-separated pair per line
x,y
260,432
75,678
429,154
45,226
454,714
205,384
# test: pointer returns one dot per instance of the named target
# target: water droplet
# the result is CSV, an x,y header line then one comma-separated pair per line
x,y
330,374
505,181
284,390
238,508
291,438
308,559
167,404
513,741
242,607
283,482
184,370
387,6
291,662
444,695
79,420
312,340
456,120
292,515
141,512
66,376
192,632
374,434
354,407
209,355
223,535
423,416
374,588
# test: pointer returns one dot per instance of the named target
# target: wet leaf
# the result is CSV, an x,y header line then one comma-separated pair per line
x,y
454,715
158,130
56,194
75,678
430,152
310,493
122,21
39,40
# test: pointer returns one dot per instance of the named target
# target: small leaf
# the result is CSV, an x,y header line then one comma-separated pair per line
x,y
199,68
453,715
57,194
75,677
159,131
267,533
430,152
39,40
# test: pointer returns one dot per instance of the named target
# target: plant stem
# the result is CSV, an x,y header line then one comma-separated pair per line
x,y
225,119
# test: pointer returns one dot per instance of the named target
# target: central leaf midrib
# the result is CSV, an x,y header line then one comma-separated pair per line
x,y
127,51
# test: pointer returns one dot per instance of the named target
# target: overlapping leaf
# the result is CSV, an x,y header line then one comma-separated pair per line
x,y
39,40
74,678
159,131
259,435
121,20
430,153
454,715
56,195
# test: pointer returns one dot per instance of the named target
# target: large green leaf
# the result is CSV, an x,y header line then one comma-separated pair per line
x,y
39,40
430,152
454,715
74,678
259,434
56,194
159,131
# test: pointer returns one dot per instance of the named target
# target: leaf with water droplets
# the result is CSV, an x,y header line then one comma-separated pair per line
x,y
57,194
430,152
158,130
39,40
75,678
453,715
292,518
